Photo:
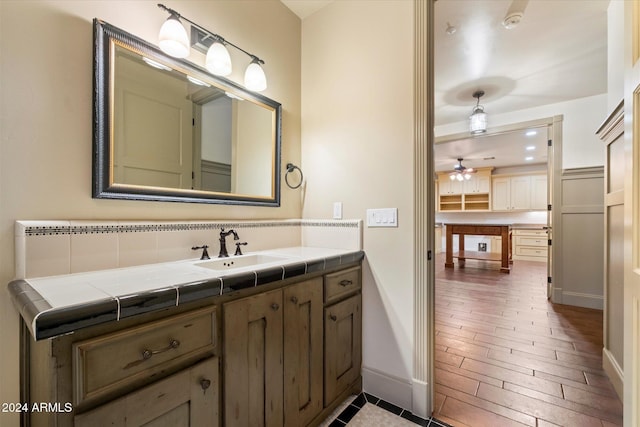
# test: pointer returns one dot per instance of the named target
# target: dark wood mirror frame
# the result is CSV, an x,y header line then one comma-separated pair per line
x,y
105,35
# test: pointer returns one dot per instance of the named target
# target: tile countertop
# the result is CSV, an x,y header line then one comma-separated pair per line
x,y
56,305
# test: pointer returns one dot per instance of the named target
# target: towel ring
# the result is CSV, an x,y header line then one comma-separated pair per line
x,y
290,168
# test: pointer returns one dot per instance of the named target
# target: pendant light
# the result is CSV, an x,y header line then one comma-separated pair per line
x,y
478,118
254,78
173,39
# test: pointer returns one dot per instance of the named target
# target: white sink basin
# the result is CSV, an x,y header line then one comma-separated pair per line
x,y
231,263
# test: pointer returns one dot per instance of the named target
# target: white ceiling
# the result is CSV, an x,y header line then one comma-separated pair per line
x,y
558,52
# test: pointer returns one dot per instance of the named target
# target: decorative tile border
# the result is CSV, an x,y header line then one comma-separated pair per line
x,y
58,229
363,398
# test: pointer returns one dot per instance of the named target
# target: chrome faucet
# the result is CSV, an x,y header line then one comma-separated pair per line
x,y
223,241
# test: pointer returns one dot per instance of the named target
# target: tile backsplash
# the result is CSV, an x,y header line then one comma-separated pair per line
x,y
49,248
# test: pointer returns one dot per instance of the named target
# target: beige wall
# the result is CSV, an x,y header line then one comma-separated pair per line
x,y
357,110
45,118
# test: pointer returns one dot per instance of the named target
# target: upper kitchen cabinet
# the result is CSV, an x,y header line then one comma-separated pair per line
x,y
519,192
479,182
471,194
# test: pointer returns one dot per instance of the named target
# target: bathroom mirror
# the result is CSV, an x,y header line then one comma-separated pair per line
x,y
166,129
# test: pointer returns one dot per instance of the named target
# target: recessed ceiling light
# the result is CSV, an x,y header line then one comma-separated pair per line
x,y
530,148
531,133
529,158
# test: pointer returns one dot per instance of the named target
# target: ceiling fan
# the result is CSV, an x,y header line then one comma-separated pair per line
x,y
461,172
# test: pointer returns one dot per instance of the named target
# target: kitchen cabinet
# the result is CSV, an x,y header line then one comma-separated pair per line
x,y
468,195
530,245
520,192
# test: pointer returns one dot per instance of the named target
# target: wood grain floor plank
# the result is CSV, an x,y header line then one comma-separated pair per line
x,y
506,355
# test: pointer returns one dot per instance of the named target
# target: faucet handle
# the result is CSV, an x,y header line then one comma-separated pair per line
x,y
238,251
205,254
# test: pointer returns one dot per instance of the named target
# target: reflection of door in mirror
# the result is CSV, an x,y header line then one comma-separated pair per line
x,y
152,126
212,141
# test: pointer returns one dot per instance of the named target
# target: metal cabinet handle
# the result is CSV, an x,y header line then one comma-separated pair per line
x,y
275,306
294,300
346,282
146,353
333,317
205,383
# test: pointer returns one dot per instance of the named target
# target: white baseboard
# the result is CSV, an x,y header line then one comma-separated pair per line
x,y
583,300
421,399
394,390
613,371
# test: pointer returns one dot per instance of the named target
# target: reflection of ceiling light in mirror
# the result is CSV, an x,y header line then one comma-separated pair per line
x,y
530,148
231,95
197,82
531,133
528,159
155,64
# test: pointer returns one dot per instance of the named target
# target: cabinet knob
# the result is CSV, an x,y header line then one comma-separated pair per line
x,y
333,317
205,383
346,282
294,300
275,306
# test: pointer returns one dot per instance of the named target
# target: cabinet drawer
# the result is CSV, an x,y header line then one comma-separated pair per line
x,y
105,365
536,233
531,251
342,283
531,241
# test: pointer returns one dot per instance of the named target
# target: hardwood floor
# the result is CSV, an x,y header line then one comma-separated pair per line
x,y
506,356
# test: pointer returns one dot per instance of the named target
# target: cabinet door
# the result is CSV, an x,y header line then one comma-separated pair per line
x,y
483,183
187,399
447,185
501,192
539,192
343,346
253,361
302,352
521,192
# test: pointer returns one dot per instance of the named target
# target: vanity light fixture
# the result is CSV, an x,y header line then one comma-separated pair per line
x,y
478,118
218,60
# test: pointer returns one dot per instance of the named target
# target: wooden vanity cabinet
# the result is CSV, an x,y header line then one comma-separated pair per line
x,y
291,355
342,332
188,398
273,357
162,372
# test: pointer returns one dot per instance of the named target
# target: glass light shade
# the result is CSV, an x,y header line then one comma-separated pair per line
x,y
459,177
173,39
478,120
218,60
467,176
452,177
254,78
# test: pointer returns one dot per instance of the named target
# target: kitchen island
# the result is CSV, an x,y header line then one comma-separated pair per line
x,y
462,230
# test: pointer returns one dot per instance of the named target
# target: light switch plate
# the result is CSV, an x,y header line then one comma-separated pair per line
x,y
386,217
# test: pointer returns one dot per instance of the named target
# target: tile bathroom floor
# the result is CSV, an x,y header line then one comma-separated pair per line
x,y
366,410
506,356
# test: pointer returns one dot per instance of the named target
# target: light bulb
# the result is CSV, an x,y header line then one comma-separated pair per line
x,y
254,78
218,60
459,177
173,38
452,177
